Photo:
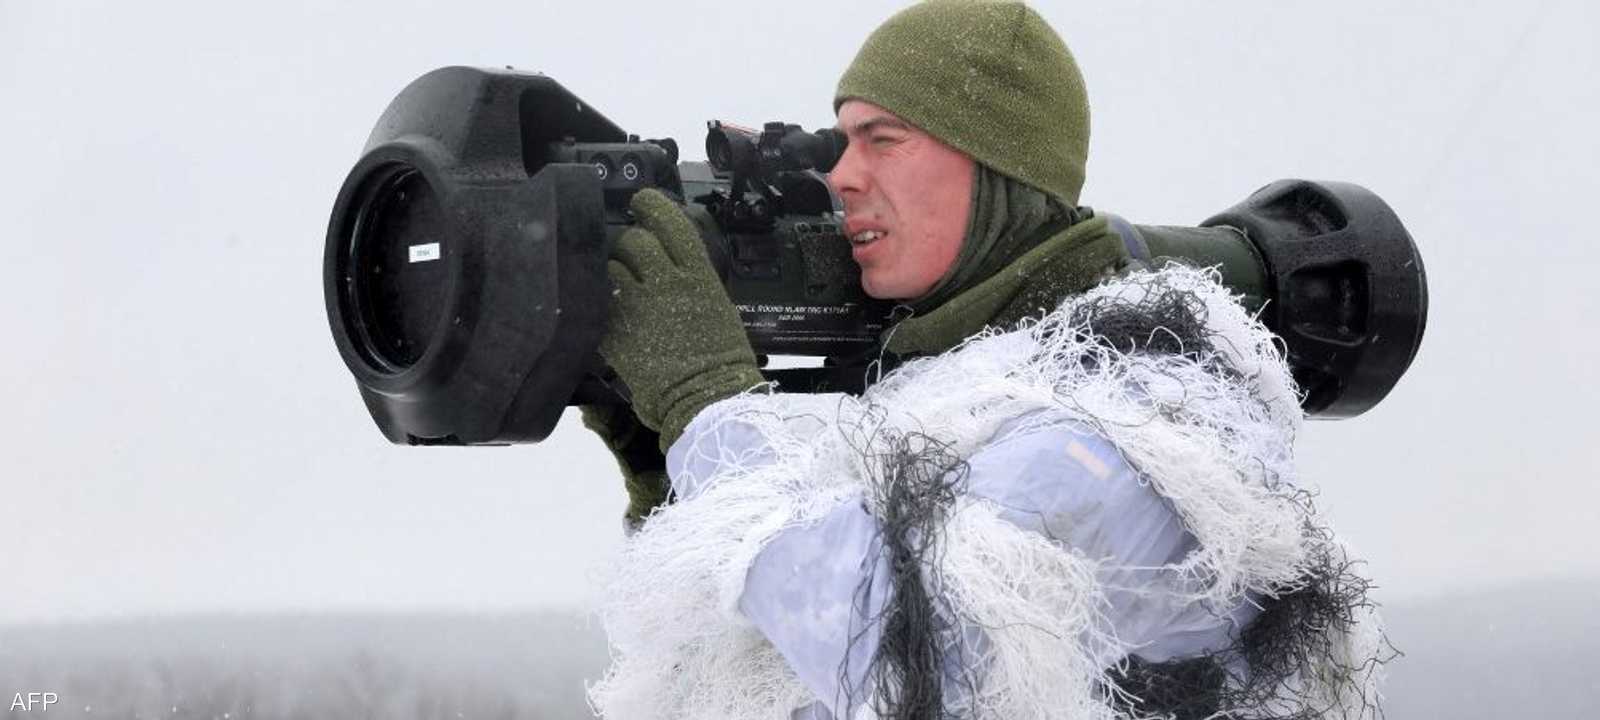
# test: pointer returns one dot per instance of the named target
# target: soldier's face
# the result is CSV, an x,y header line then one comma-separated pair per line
x,y
906,200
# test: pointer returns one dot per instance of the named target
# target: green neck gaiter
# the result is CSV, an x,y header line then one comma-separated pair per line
x,y
1008,219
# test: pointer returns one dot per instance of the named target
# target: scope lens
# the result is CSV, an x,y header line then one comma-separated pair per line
x,y
396,275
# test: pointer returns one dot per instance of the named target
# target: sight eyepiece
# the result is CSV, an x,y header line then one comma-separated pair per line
x,y
777,147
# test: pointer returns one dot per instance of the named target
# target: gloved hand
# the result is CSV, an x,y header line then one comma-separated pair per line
x,y
644,468
674,337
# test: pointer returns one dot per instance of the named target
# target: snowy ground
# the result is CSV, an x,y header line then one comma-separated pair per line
x,y
388,667
1508,653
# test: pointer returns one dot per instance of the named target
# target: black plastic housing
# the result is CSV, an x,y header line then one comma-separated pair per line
x,y
1348,293
519,259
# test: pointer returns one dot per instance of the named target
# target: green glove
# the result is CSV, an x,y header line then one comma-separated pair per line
x,y
644,469
674,337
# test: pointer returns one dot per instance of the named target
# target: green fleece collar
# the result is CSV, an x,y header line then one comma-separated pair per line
x,y
1007,219
1069,262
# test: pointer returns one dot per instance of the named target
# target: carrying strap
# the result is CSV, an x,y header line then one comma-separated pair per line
x,y
1138,249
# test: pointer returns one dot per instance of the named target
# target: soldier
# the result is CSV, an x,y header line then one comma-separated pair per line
x,y
1076,503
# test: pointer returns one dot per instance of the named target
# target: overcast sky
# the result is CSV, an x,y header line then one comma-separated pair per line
x,y
180,434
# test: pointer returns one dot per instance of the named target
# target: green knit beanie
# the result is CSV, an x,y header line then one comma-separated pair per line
x,y
990,79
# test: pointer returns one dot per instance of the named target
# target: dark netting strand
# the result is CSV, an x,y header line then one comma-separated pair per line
x,y
1188,689
913,483
1294,637
1292,640
1162,320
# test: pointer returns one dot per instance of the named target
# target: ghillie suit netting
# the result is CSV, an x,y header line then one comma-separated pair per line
x,y
987,619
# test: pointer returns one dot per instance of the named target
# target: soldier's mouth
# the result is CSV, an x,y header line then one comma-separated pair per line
x,y
866,236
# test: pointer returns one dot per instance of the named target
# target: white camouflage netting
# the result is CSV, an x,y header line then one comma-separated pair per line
x,y
1217,444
